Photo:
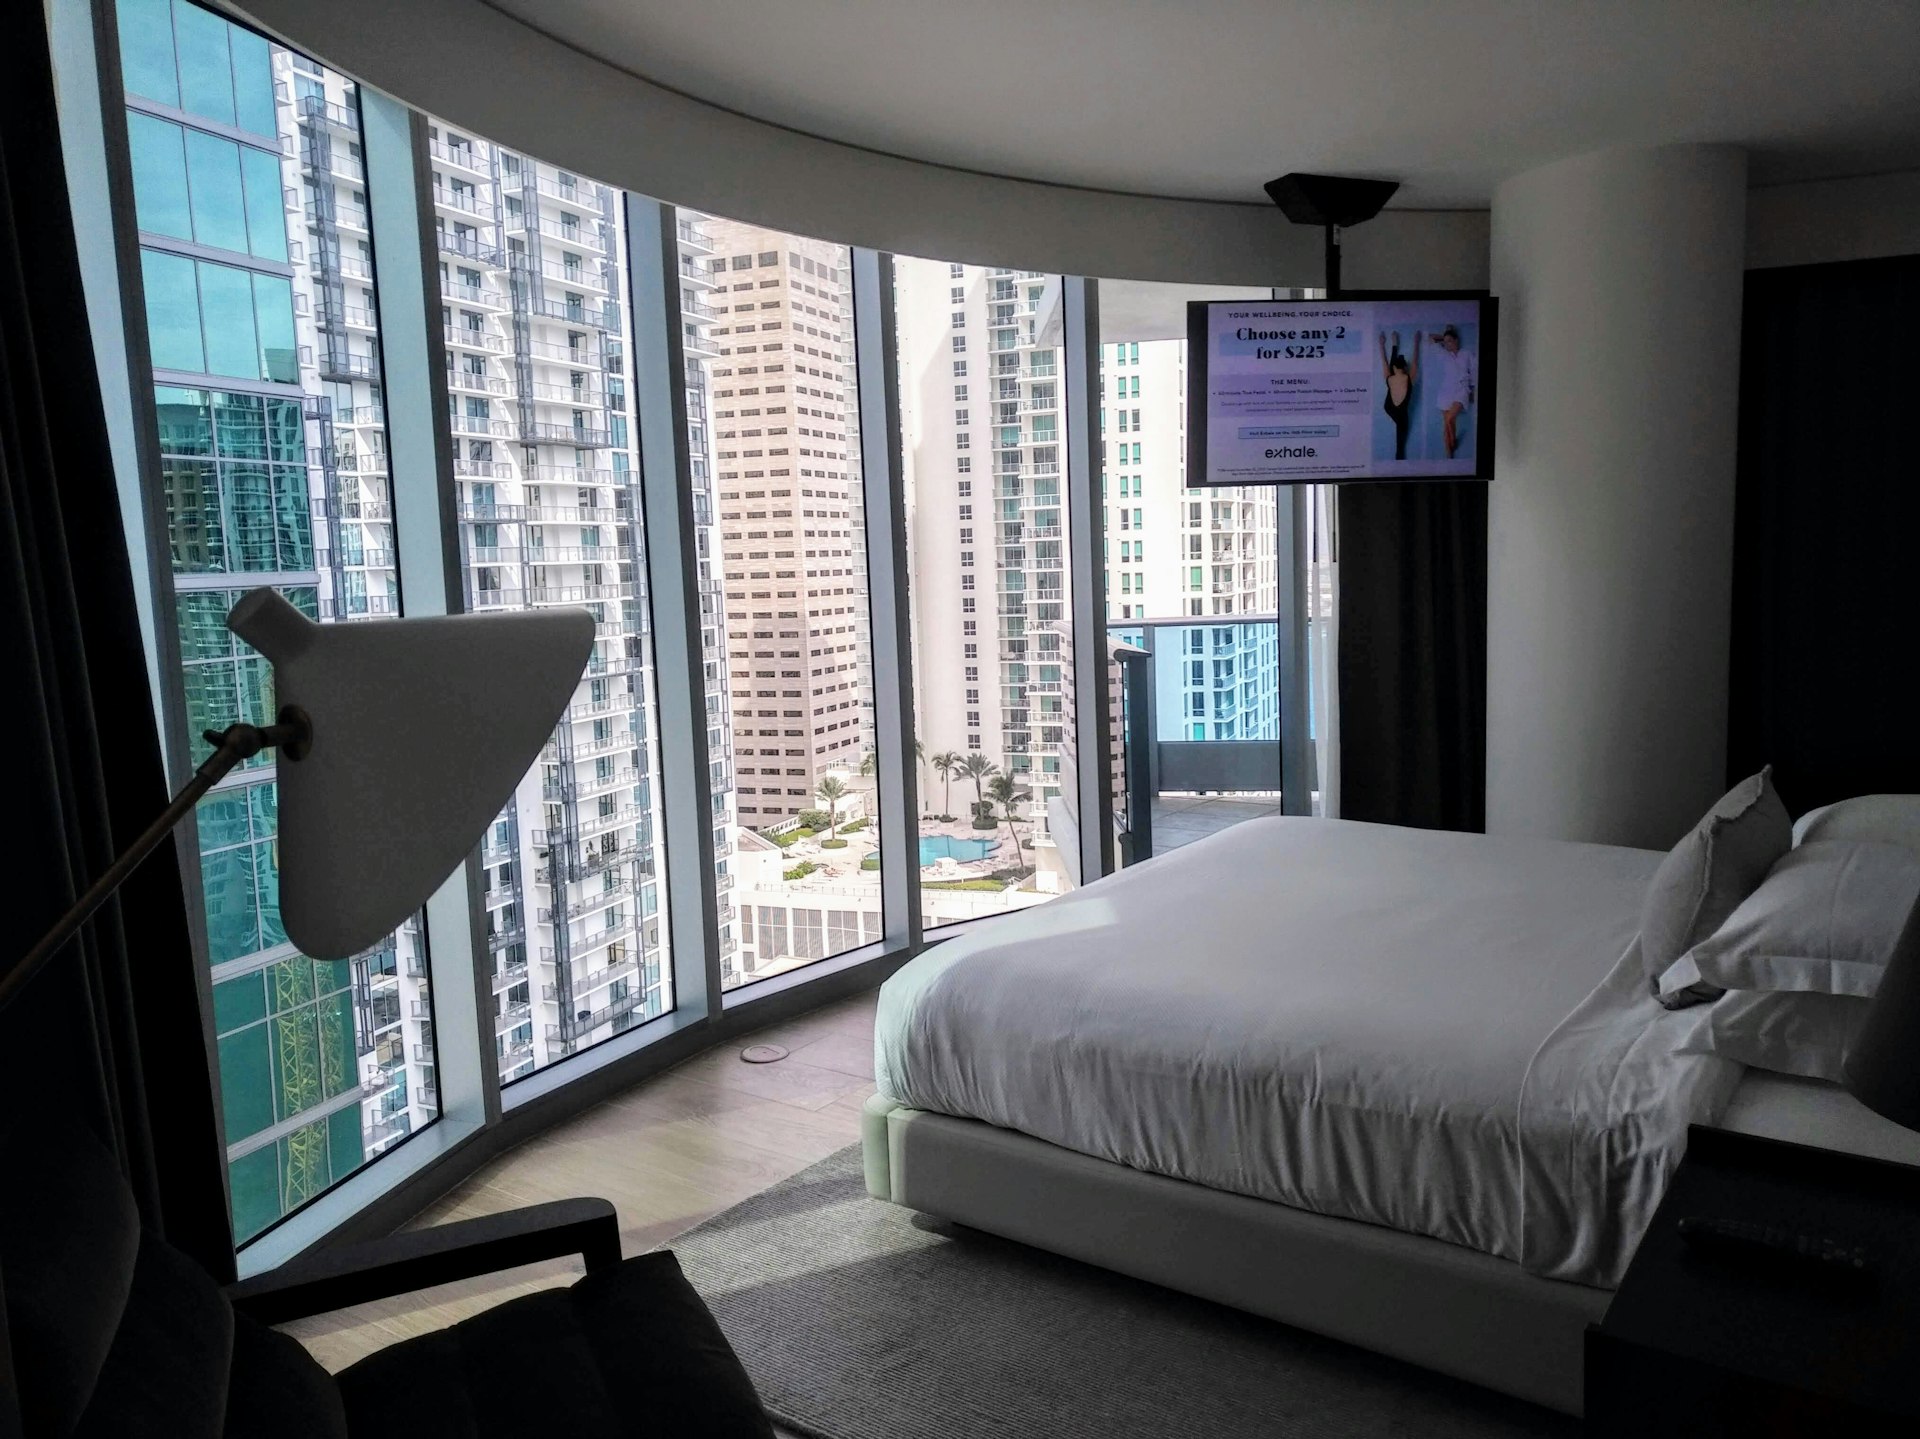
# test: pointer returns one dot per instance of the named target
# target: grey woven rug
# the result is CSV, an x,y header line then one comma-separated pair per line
x,y
860,1320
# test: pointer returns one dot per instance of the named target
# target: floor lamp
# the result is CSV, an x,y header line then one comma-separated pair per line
x,y
399,743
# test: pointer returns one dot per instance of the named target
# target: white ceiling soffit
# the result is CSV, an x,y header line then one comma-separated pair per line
x,y
484,71
1207,99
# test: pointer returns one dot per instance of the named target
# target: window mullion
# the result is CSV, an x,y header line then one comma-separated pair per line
x,y
427,553
1080,345
877,370
667,500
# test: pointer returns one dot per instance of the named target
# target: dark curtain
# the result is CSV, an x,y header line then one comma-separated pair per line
x,y
1827,515
1413,654
109,1035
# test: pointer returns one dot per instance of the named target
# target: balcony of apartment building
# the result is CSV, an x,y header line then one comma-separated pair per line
x,y
576,433
620,963
327,210
509,972
470,382
467,337
509,1014
486,426
599,277
696,343
584,1021
1176,778
465,243
470,159
584,392
478,294
317,110
463,199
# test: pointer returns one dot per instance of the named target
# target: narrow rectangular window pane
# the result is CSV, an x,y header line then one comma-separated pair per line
x,y
775,445
146,50
1223,608
273,318
219,206
544,433
273,468
252,82
226,321
990,615
159,176
173,311
206,62
266,204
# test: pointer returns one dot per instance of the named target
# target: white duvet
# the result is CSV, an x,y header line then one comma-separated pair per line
x,y
1446,1034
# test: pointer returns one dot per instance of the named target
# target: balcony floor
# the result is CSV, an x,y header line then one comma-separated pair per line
x,y
1182,818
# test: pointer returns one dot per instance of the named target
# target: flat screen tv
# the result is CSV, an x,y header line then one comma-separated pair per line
x,y
1371,386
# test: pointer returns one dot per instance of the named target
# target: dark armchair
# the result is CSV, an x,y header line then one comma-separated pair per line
x,y
112,1332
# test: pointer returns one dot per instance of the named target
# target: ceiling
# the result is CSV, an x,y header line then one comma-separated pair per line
x,y
1209,98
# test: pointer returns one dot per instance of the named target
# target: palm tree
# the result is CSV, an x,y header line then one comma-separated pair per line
x,y
1001,790
946,764
978,767
870,761
832,789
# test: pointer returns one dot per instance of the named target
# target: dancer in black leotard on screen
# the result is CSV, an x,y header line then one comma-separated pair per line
x,y
1401,376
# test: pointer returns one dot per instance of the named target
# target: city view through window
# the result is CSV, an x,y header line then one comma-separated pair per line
x,y
261,323
264,333
982,416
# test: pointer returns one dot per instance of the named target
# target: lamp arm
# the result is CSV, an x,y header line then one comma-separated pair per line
x,y
292,732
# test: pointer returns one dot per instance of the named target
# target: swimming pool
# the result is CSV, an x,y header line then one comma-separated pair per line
x,y
944,846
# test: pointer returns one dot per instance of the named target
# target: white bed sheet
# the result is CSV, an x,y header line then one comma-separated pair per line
x,y
1436,1032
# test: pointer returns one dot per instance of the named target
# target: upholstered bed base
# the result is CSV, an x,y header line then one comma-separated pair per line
x,y
1422,1300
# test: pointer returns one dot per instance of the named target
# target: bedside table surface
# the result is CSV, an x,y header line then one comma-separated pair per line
x,y
1754,1318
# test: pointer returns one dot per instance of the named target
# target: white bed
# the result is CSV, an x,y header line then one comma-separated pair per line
x,y
1380,1082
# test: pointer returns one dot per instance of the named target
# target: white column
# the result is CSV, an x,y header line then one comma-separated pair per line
x,y
1611,520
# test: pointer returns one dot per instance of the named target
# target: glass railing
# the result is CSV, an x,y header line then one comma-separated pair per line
x,y
1192,753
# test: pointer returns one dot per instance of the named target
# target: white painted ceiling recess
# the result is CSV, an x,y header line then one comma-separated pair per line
x,y
1130,140
1206,99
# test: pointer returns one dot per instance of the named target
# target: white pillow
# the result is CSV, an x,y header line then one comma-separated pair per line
x,y
1889,818
1823,921
1805,1034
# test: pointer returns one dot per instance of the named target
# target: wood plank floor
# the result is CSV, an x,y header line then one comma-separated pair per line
x,y
670,1152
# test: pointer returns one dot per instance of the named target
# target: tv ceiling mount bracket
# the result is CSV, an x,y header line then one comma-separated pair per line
x,y
1332,203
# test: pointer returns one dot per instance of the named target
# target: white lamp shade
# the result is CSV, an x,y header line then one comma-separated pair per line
x,y
421,730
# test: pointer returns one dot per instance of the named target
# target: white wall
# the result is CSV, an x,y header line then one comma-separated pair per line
x,y
478,68
1611,525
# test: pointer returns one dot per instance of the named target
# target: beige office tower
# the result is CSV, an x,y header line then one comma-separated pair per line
x,y
787,474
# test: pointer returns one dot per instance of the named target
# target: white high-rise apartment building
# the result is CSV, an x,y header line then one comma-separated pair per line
x,y
981,419
533,292
1173,552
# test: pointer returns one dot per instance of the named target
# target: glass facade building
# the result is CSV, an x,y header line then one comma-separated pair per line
x,y
263,335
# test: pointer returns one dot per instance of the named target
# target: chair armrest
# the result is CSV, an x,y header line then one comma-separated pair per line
x,y
331,1279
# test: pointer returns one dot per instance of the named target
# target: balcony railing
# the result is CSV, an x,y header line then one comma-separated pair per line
x,y
1155,748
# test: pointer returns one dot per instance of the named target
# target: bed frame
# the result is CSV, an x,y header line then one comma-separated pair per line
x,y
1431,1303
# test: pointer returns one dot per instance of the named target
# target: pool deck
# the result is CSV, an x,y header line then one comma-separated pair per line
x,y
842,864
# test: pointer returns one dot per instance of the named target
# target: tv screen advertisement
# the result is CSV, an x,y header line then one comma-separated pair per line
x,y
1381,387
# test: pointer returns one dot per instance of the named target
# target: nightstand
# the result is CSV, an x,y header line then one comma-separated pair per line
x,y
1701,1344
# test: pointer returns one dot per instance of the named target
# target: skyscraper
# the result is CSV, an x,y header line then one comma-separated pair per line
x,y
532,275
786,457
981,415
264,339
1171,552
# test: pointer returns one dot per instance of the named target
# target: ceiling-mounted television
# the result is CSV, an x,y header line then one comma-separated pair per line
x,y
1371,386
